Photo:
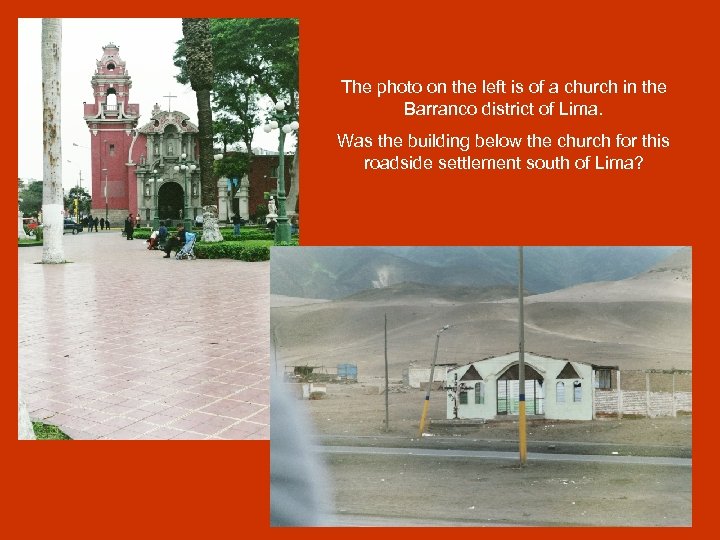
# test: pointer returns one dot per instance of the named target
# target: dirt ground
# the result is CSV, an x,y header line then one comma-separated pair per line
x,y
358,410
413,490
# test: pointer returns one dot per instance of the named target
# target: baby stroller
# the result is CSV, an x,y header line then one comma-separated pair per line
x,y
186,252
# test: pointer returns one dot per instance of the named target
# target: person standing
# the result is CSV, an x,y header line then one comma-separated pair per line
x,y
162,235
89,224
95,223
238,222
129,227
102,224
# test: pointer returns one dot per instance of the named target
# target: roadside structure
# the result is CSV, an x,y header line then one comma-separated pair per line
x,y
555,388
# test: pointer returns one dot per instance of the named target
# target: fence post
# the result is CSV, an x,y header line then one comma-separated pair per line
x,y
592,393
674,407
620,396
647,393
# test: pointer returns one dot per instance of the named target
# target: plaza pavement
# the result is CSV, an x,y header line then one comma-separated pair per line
x,y
123,344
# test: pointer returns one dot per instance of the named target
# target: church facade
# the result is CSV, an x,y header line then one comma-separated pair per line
x,y
134,168
152,169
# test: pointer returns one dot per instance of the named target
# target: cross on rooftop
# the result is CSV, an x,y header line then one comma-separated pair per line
x,y
169,96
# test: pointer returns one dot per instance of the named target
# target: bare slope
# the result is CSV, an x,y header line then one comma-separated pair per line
x,y
638,323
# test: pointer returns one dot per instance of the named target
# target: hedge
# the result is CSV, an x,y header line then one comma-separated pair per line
x,y
246,233
249,250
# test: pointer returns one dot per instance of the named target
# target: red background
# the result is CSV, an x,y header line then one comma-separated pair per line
x,y
191,489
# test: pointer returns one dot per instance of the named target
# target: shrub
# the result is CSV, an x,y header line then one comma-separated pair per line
x,y
250,250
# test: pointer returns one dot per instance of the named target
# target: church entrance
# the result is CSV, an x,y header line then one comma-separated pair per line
x,y
170,201
508,391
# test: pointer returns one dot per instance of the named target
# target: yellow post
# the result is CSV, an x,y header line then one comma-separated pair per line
x,y
522,423
523,435
426,405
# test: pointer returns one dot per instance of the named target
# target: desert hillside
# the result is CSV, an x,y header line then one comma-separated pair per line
x,y
642,322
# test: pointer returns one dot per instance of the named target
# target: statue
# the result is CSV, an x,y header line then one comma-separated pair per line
x,y
171,148
272,208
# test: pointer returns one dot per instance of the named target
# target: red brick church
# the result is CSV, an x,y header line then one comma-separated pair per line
x,y
133,168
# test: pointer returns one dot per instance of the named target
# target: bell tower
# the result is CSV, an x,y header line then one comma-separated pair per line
x,y
112,119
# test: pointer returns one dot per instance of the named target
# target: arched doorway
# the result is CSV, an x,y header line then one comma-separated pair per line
x,y
508,391
170,200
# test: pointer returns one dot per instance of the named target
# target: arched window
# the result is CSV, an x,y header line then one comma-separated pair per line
x,y
479,393
560,392
577,391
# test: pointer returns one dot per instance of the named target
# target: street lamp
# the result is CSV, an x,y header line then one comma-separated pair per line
x,y
156,218
426,405
280,116
184,167
76,145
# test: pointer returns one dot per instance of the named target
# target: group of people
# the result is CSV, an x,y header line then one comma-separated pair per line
x,y
159,239
292,222
91,223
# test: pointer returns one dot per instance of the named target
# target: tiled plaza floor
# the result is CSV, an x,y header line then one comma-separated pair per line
x,y
124,344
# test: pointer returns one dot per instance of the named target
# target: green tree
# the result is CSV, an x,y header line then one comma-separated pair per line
x,y
199,55
32,197
253,59
83,197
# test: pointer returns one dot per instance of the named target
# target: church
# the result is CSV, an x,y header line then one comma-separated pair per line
x,y
152,169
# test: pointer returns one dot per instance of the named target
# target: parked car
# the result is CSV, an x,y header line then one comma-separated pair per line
x,y
70,225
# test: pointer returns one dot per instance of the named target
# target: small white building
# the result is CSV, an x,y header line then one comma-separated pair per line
x,y
418,377
555,388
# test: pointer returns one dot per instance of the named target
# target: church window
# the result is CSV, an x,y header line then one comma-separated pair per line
x,y
111,150
111,66
479,393
560,392
463,397
577,391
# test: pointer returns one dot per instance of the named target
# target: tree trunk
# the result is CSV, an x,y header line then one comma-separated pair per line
x,y
198,51
208,186
52,209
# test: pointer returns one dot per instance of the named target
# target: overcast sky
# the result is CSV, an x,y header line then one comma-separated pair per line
x,y
146,45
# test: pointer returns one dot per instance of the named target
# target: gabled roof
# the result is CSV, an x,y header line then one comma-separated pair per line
x,y
471,375
568,372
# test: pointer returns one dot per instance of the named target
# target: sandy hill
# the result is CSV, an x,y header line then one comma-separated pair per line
x,y
337,272
636,323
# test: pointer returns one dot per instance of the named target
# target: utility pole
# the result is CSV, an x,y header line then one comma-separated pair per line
x,y
521,376
426,404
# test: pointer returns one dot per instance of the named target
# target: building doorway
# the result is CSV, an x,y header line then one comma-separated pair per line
x,y
508,391
170,201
